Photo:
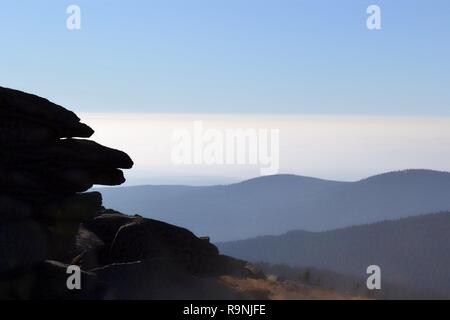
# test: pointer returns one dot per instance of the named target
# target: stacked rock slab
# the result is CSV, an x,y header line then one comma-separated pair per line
x,y
48,220
46,165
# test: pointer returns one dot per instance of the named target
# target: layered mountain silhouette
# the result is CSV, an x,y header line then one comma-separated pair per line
x,y
413,253
280,203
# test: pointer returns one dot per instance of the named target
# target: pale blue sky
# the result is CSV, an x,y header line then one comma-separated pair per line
x,y
219,56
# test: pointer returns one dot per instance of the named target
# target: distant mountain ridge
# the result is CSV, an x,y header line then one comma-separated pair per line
x,y
412,252
276,204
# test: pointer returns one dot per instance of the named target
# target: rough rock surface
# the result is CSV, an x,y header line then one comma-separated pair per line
x,y
48,221
26,117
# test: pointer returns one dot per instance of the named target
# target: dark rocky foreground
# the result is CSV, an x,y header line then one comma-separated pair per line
x,y
48,221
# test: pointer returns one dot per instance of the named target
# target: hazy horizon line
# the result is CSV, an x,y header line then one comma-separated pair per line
x,y
238,181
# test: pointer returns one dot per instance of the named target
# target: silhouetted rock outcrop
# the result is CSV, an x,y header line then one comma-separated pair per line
x,y
43,167
48,222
